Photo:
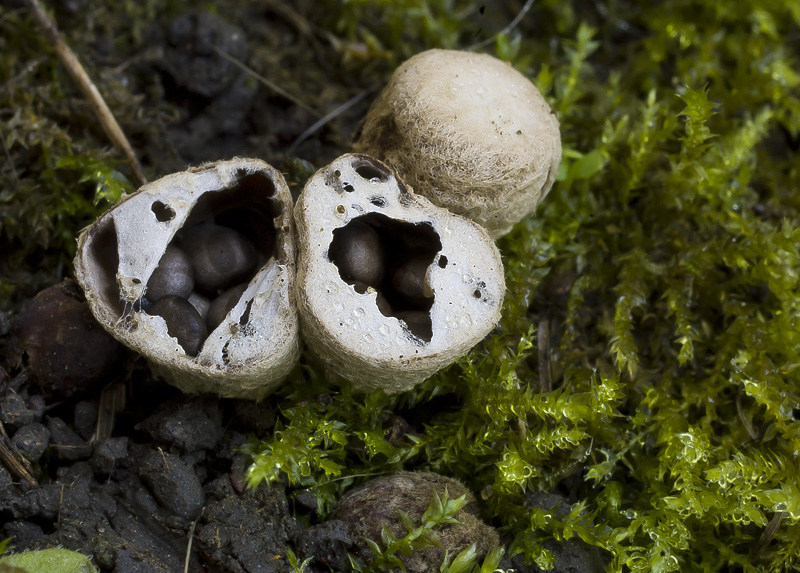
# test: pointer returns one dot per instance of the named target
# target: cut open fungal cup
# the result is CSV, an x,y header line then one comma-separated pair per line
x,y
195,271
390,288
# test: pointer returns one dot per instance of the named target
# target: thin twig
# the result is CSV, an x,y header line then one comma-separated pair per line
x,y
768,534
273,86
505,30
90,91
16,464
338,111
112,402
189,544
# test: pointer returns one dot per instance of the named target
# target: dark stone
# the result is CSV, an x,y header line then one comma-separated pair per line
x,y
572,555
37,404
128,561
31,441
109,455
174,483
245,532
305,501
186,426
22,531
327,544
257,417
14,412
85,419
190,57
66,442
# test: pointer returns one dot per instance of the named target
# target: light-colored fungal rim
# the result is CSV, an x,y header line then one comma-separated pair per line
x,y
403,362
277,352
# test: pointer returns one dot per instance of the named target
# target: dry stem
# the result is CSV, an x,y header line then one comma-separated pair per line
x,y
90,91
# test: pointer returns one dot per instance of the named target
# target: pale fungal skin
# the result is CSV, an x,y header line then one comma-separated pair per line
x,y
468,132
236,360
344,328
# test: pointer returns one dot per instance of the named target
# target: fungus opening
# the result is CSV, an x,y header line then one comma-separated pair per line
x,y
392,257
369,171
164,213
229,235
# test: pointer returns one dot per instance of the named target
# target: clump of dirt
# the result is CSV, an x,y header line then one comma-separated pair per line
x,y
134,500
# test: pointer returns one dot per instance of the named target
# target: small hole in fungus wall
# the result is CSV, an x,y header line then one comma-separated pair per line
x,y
442,261
163,213
392,257
371,171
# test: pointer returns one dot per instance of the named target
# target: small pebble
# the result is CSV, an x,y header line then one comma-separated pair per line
x,y
220,256
357,251
67,443
173,482
173,275
85,419
59,340
222,305
14,412
31,441
183,322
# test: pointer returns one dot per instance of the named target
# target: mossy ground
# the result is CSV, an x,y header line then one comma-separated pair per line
x,y
664,400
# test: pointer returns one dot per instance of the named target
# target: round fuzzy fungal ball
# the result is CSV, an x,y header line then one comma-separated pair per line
x,y
220,256
468,132
173,275
183,322
373,505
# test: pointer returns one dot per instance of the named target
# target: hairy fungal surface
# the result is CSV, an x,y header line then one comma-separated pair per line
x,y
390,287
468,132
194,271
